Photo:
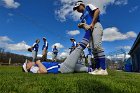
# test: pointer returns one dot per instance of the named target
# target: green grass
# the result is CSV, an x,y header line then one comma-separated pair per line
x,y
12,80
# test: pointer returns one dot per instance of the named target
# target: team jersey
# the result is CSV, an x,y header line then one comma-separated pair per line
x,y
35,47
52,67
74,44
45,45
55,51
87,15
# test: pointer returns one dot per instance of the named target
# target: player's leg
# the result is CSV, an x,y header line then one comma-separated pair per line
x,y
98,50
99,55
33,56
81,59
69,64
46,54
36,55
43,55
91,46
53,56
42,59
80,68
96,39
89,60
55,59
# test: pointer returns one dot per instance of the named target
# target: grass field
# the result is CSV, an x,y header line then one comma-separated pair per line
x,y
12,80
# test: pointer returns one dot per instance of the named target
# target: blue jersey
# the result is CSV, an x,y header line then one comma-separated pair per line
x,y
52,67
55,51
45,45
74,44
87,15
35,47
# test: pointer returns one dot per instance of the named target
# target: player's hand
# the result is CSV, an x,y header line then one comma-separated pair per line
x,y
91,26
87,27
38,62
84,26
81,25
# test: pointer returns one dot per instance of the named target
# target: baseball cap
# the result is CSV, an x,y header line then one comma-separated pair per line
x,y
44,37
72,39
25,66
78,3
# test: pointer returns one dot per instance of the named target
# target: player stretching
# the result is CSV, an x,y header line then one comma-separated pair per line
x,y
91,21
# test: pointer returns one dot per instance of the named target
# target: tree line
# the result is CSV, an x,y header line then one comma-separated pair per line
x,y
16,58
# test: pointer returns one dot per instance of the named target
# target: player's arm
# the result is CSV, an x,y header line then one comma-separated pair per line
x,y
33,46
95,10
95,17
74,47
42,68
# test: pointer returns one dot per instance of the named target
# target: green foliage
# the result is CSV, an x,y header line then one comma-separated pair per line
x,y
12,80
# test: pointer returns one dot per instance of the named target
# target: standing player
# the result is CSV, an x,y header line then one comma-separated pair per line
x,y
35,50
55,52
91,21
44,49
74,45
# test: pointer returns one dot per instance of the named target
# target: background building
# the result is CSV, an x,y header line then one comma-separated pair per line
x,y
135,54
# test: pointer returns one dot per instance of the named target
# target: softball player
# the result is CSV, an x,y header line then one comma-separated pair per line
x,y
44,49
35,50
74,45
53,67
55,52
90,16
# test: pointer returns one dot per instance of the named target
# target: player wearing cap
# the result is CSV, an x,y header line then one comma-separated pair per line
x,y
44,49
35,50
74,45
90,20
55,52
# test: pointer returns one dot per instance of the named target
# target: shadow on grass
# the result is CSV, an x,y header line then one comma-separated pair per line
x,y
92,86
95,86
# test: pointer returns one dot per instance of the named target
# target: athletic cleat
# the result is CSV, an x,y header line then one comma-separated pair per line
x,y
94,72
102,72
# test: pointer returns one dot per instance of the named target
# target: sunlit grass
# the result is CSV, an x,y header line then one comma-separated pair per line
x,y
13,80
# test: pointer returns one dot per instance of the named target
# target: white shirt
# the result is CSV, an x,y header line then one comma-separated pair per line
x,y
34,69
92,7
